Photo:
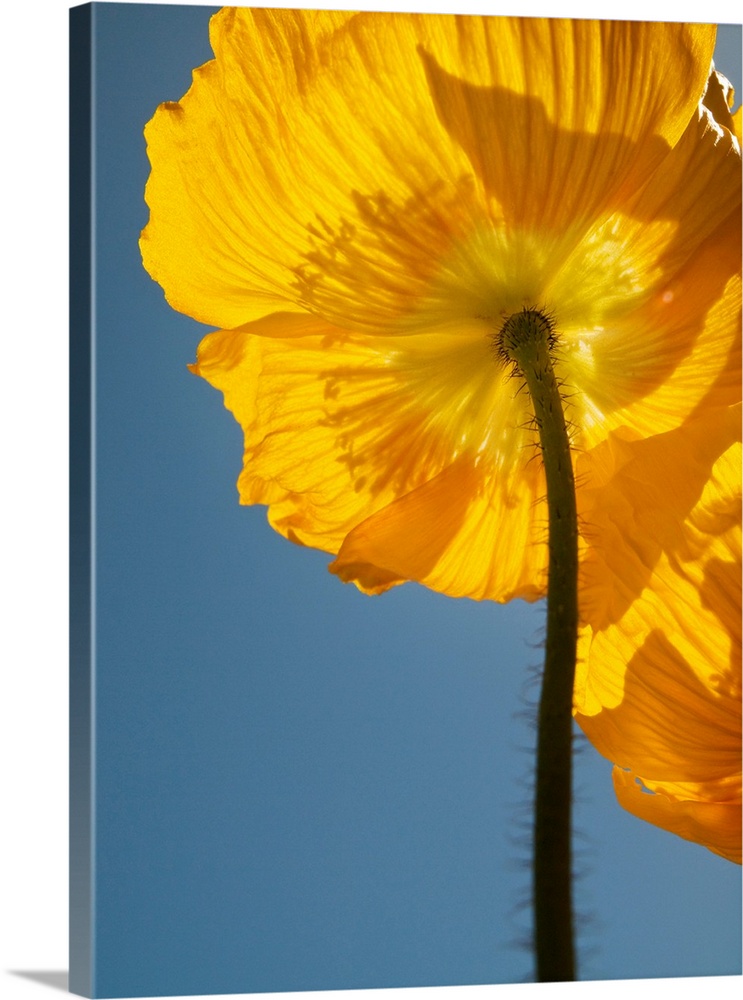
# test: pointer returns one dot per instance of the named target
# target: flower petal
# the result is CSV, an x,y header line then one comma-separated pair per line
x,y
634,501
299,398
452,534
309,165
719,98
658,687
675,354
358,443
591,107
306,154
671,341
715,825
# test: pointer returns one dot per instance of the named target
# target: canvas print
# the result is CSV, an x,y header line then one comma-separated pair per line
x,y
406,484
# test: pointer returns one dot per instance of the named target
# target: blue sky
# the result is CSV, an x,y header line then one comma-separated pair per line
x,y
300,787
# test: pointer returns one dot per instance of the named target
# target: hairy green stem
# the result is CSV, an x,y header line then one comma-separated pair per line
x,y
526,339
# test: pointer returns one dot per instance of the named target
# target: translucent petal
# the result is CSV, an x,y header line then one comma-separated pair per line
x,y
562,120
714,824
355,436
658,689
315,163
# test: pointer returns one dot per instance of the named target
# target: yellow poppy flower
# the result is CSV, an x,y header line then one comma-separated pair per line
x,y
359,202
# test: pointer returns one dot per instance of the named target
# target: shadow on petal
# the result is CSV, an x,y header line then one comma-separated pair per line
x,y
634,500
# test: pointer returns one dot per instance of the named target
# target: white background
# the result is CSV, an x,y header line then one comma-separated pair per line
x,y
33,880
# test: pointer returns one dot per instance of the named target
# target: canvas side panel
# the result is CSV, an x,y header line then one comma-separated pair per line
x,y
81,492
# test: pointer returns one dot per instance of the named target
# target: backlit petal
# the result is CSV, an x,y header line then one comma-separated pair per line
x,y
719,98
322,162
554,124
635,500
457,534
665,347
658,689
358,225
347,435
695,817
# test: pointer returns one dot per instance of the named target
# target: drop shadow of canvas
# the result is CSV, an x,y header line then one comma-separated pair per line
x,y
56,980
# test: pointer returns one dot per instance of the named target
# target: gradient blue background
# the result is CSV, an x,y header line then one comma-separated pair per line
x,y
299,787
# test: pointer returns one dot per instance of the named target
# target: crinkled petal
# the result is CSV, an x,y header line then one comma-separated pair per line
x,y
362,446
719,97
304,167
678,717
670,343
311,165
634,500
714,824
453,535
562,120
658,687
